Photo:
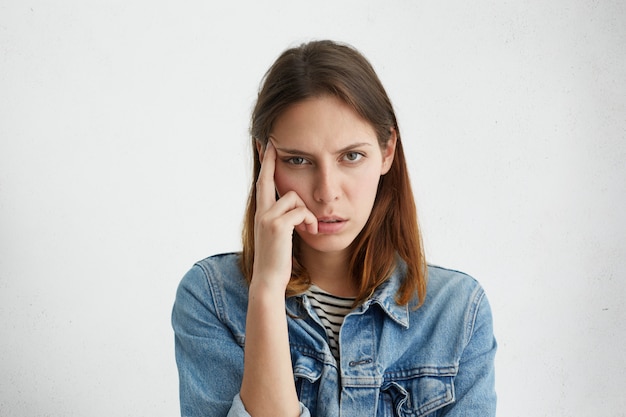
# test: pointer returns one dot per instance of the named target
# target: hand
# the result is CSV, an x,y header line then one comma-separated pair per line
x,y
274,224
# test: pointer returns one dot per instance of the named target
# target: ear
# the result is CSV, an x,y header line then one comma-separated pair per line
x,y
389,151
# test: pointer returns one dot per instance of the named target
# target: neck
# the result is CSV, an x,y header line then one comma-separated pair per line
x,y
329,271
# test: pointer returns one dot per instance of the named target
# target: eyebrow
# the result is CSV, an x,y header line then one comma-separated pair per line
x,y
342,150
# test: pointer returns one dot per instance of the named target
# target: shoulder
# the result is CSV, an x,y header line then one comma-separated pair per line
x,y
447,283
216,272
454,297
214,284
220,265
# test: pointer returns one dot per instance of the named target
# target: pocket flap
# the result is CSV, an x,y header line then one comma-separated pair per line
x,y
307,368
420,394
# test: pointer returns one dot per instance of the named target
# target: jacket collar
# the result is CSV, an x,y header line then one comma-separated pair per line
x,y
385,297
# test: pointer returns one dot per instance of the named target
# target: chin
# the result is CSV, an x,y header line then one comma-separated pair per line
x,y
326,243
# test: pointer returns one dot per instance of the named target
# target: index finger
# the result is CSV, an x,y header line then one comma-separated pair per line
x,y
265,185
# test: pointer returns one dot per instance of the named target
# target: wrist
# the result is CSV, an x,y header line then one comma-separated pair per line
x,y
266,288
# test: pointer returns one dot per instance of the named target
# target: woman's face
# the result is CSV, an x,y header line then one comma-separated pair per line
x,y
331,158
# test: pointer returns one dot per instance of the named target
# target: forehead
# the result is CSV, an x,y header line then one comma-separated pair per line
x,y
321,121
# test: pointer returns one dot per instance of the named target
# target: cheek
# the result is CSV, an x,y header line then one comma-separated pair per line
x,y
368,179
368,187
286,182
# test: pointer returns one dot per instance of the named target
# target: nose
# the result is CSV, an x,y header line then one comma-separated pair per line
x,y
326,188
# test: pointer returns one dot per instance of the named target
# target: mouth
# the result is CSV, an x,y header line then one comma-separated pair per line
x,y
330,225
330,220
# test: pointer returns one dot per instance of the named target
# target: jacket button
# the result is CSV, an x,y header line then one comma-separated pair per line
x,y
361,362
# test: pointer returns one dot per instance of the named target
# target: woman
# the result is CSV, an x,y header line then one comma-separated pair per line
x,y
329,301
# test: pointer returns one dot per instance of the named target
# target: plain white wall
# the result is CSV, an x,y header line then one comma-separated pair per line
x,y
124,159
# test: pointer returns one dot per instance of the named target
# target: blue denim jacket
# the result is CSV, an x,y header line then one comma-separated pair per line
x,y
437,360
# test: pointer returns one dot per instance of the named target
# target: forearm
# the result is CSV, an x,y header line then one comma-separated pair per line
x,y
268,384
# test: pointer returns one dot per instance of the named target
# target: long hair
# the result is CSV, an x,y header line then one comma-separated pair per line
x,y
328,68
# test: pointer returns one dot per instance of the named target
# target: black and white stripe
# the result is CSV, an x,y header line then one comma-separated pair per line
x,y
331,310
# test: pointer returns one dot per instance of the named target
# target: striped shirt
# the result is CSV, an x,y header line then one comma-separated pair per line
x,y
331,310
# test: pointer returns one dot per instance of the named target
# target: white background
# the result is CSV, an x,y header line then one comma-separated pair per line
x,y
124,158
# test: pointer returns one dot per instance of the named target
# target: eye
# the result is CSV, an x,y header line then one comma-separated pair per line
x,y
296,160
353,156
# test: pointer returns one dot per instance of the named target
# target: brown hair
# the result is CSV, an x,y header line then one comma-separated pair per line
x,y
328,68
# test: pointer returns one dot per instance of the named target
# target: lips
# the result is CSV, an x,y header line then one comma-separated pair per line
x,y
330,225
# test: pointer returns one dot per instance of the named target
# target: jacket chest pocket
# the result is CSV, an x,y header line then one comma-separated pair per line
x,y
418,395
307,373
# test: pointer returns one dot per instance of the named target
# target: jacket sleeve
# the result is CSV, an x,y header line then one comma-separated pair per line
x,y
238,409
209,358
474,385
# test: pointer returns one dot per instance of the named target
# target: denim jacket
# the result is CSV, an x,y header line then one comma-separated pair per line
x,y
437,360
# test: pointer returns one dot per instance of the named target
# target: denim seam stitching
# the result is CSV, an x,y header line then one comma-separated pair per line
x,y
472,314
215,294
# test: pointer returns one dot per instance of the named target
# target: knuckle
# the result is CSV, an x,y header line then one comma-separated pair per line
x,y
268,223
